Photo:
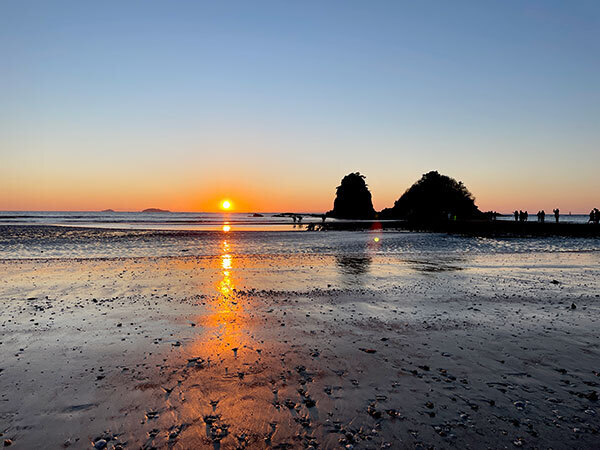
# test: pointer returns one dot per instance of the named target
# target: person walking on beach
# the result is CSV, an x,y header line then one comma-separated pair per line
x,y
594,216
556,214
542,216
516,216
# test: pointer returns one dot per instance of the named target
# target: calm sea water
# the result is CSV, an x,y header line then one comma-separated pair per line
x,y
566,218
154,221
183,220
32,241
109,235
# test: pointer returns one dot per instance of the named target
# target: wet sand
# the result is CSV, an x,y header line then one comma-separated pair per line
x,y
301,351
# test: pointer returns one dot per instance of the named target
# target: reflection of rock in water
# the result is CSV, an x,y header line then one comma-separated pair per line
x,y
353,264
443,265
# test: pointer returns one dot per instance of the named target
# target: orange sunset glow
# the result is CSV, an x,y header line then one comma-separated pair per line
x,y
277,224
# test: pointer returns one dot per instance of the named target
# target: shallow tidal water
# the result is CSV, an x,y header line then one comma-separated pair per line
x,y
129,339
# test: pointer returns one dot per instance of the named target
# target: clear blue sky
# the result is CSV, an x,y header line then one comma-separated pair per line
x,y
178,104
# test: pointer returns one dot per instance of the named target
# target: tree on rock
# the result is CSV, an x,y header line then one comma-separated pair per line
x,y
353,199
433,198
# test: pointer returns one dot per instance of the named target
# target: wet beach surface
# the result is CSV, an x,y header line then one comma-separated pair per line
x,y
329,344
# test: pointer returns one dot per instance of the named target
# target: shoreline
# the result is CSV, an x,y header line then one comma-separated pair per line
x,y
291,340
247,352
497,228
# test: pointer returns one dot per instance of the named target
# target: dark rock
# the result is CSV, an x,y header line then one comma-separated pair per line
x,y
353,199
519,404
433,198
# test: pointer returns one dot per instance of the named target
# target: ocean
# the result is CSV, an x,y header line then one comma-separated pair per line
x,y
155,220
187,220
157,327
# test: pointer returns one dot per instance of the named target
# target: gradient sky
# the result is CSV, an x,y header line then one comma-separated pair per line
x,y
172,104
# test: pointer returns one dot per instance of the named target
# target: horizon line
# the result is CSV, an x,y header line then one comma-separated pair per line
x,y
506,213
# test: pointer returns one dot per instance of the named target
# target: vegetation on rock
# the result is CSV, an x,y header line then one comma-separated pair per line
x,y
353,199
432,198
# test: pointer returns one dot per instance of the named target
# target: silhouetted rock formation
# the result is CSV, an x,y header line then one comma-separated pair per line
x,y
434,198
155,210
353,199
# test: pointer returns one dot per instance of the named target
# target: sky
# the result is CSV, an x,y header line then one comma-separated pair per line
x,y
178,105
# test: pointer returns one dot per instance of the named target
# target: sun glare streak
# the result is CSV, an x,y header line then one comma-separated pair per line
x,y
226,228
226,314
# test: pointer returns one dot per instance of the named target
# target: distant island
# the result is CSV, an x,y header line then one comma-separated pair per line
x,y
155,210
108,210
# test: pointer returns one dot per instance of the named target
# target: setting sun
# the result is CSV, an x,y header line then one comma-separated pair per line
x,y
226,204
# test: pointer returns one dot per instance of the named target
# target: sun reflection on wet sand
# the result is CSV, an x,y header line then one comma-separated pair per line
x,y
223,323
225,376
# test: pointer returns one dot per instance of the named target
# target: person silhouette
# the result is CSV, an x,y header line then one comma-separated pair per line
x,y
542,216
556,214
516,213
592,216
525,216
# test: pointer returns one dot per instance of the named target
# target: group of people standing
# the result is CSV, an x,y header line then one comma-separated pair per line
x,y
522,216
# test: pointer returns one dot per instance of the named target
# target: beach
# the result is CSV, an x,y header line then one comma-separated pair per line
x,y
287,339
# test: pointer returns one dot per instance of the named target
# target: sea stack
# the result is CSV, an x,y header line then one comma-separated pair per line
x,y
434,198
353,199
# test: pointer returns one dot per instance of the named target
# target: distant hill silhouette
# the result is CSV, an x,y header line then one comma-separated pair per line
x,y
353,199
433,198
155,210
